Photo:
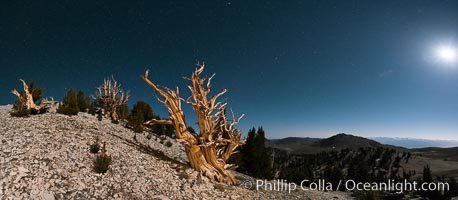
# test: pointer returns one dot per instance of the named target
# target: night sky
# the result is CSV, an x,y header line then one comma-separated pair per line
x,y
297,68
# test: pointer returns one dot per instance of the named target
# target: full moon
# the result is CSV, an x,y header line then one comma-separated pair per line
x,y
446,53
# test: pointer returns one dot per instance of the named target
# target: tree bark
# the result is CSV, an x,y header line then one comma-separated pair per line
x,y
209,151
25,99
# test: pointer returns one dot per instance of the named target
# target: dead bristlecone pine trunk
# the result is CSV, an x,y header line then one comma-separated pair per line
x,y
208,151
110,96
25,99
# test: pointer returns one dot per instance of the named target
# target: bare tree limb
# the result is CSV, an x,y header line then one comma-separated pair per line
x,y
217,140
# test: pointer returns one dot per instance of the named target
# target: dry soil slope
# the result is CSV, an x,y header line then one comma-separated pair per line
x,y
47,157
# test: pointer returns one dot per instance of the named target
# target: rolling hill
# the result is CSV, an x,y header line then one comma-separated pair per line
x,y
315,145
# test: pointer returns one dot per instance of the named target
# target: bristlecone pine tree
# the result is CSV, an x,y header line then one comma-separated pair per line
x,y
25,99
208,151
29,101
110,96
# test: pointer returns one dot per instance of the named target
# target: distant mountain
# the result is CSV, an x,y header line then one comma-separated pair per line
x,y
343,141
316,145
291,144
416,143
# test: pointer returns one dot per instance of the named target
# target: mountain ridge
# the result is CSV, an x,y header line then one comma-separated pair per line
x,y
310,145
416,142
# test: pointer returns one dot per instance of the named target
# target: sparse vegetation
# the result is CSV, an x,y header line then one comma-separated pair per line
x,y
95,147
21,113
102,162
168,144
162,139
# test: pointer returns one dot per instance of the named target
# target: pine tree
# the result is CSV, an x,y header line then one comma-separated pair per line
x,y
333,174
136,122
255,160
69,105
357,169
169,130
159,129
144,109
247,165
263,161
453,188
92,108
83,101
123,112
142,112
427,178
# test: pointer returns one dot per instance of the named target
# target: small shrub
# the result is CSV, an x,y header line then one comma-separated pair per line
x,y
162,138
21,113
168,144
138,129
102,162
95,148
99,117
39,111
149,136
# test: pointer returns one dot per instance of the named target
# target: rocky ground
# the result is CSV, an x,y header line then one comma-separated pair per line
x,y
47,157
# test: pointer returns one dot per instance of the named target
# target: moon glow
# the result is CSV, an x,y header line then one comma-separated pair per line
x,y
447,53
